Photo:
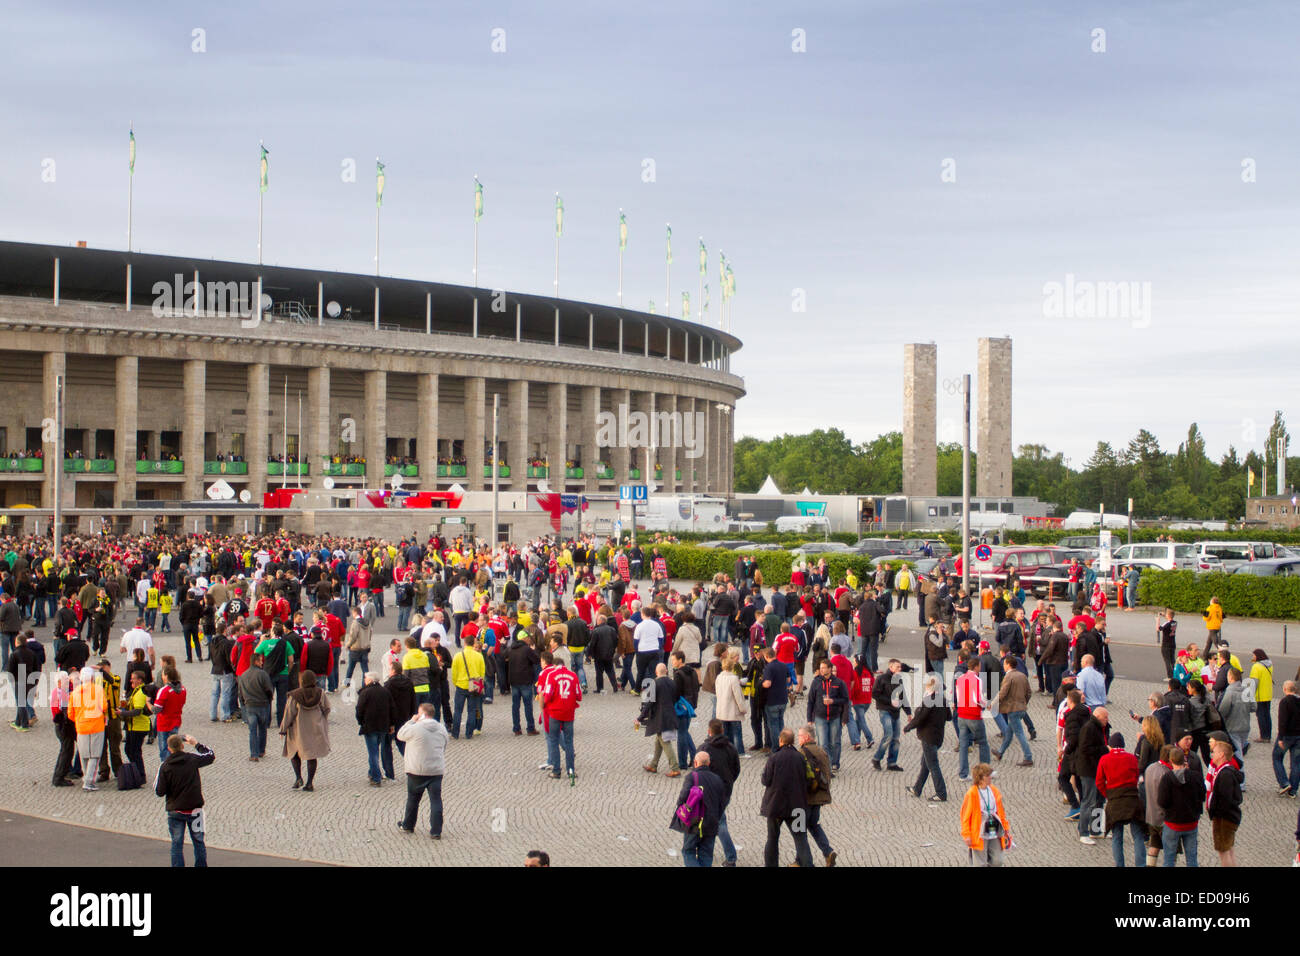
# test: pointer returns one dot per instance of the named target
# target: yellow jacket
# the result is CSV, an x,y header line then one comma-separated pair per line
x,y
1263,682
1214,617
471,659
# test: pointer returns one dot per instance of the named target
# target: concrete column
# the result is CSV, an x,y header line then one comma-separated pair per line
x,y
920,388
670,438
376,426
475,413
714,470
127,400
255,442
426,429
620,402
55,364
514,428
195,379
557,431
729,453
993,420
316,420
588,428
693,429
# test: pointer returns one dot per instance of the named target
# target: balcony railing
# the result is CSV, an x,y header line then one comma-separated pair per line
x,y
538,471
408,471
225,467
503,471
351,468
94,466
280,468
573,473
452,471
22,464
159,467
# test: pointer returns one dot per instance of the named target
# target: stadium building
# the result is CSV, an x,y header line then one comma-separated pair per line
x,y
180,371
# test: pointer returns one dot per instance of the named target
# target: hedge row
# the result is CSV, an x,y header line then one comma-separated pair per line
x,y
700,564
1242,595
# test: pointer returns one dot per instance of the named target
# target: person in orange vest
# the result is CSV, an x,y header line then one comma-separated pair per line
x,y
984,824
88,711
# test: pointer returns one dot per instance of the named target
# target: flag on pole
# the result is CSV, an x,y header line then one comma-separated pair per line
x,y
1250,478
704,257
670,245
731,282
622,231
686,305
379,182
478,200
722,275
652,306
265,167
131,161
559,216
706,297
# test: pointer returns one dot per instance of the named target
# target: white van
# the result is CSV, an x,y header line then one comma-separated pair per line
x,y
1166,555
1234,553
803,524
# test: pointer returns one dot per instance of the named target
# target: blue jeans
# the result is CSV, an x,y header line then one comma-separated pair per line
x,y
474,717
416,787
1016,728
869,647
403,617
177,824
374,750
579,669
724,837
150,617
774,714
258,719
890,730
524,695
223,690
816,832
968,732
1284,746
858,726
1139,844
731,730
333,679
1240,744
163,736
718,633
1170,840
355,658
829,734
281,685
685,746
697,850
559,732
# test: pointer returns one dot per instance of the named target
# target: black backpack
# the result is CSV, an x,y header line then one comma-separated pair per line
x,y
129,777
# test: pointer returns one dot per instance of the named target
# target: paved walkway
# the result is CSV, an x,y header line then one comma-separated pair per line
x,y
499,804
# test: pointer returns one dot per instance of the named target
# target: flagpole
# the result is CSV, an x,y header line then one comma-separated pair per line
x,y
377,208
668,272
557,252
284,436
130,191
260,193
702,271
476,187
620,260
299,455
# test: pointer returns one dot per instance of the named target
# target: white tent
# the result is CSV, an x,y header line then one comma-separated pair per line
x,y
769,487
805,491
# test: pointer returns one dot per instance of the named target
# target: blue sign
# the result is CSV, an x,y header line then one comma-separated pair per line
x,y
633,493
568,502
983,552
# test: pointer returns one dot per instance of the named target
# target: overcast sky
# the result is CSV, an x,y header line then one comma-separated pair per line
x,y
821,174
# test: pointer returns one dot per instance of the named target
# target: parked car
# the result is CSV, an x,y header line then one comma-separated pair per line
x,y
821,547
803,523
1268,567
1166,555
1023,560
1234,553
731,545
760,547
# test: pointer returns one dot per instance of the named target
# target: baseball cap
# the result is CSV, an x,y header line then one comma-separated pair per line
x,y
984,645
1220,736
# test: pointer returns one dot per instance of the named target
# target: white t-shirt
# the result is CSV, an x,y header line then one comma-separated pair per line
x,y
648,635
136,638
432,628
142,590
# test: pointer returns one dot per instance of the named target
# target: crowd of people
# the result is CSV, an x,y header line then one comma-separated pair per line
x,y
286,622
